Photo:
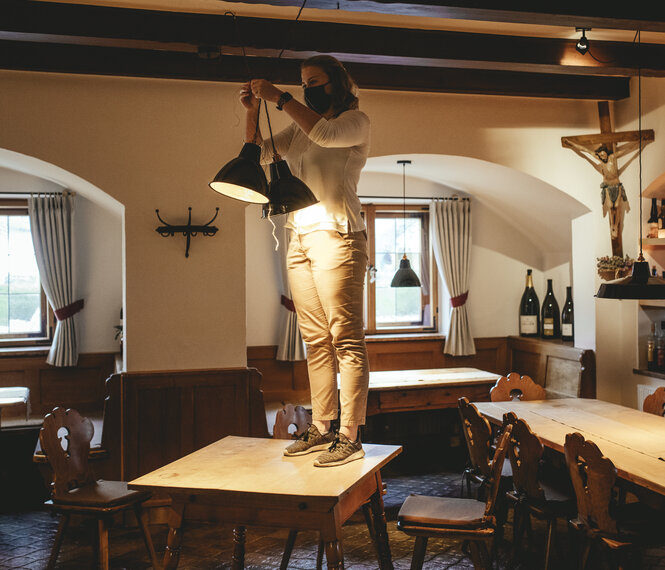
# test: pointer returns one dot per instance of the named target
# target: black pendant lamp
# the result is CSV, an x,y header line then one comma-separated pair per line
x,y
243,177
405,276
640,284
286,193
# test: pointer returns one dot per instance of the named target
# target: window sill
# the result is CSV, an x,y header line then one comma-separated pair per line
x,y
387,337
13,351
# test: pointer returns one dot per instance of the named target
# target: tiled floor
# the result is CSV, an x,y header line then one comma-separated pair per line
x,y
26,538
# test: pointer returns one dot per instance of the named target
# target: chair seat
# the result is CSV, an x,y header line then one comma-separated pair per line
x,y
556,495
101,494
451,512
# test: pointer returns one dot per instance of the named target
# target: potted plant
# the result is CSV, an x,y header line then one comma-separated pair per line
x,y
614,267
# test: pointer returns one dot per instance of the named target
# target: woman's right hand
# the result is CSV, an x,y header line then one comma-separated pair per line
x,y
247,98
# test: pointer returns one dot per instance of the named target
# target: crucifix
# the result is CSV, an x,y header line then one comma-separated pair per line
x,y
602,151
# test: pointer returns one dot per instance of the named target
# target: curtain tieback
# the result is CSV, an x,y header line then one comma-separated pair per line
x,y
68,311
459,300
288,303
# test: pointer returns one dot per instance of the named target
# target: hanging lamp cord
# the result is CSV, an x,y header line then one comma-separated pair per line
x,y
639,128
248,71
404,205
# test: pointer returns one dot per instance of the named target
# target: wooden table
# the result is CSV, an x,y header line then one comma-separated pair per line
x,y
250,482
14,396
633,440
405,390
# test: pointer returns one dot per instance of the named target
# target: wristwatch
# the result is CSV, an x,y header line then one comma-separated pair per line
x,y
283,99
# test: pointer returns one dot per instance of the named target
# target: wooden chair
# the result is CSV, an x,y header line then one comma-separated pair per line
x,y
74,490
530,496
655,403
478,435
452,517
601,518
516,387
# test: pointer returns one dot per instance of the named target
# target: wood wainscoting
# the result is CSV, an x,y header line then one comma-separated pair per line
x,y
80,386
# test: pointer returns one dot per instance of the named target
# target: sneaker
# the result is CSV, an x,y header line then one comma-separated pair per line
x,y
341,451
310,440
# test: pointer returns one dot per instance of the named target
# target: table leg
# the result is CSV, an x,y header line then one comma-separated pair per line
x,y
172,554
379,515
238,548
334,554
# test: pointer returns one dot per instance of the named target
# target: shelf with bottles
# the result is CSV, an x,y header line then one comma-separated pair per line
x,y
651,336
653,242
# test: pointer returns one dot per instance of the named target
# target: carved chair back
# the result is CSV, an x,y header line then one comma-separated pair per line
x,y
288,416
655,403
478,434
496,467
65,439
593,477
524,452
516,387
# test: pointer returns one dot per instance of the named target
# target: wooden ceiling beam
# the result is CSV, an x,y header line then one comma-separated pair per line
x,y
645,16
100,60
95,25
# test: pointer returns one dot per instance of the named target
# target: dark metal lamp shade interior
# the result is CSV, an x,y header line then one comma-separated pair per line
x,y
286,193
243,177
405,276
639,285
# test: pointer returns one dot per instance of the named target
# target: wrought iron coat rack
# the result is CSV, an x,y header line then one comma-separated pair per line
x,y
187,230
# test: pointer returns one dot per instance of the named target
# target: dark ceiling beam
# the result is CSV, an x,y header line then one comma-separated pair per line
x,y
645,16
97,60
95,25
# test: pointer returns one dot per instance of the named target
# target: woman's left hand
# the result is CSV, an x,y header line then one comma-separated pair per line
x,y
263,89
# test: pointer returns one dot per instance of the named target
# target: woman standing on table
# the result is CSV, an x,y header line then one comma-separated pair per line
x,y
326,146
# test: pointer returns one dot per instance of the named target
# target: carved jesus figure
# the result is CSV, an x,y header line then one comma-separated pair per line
x,y
612,193
602,151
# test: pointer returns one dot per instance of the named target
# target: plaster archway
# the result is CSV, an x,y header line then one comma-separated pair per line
x,y
99,242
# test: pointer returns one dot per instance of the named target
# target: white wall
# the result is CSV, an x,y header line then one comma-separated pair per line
x,y
623,325
97,260
500,255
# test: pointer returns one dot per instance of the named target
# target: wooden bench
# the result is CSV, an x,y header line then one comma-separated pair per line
x,y
153,418
563,370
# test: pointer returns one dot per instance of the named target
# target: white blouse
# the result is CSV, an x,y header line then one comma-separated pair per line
x,y
329,161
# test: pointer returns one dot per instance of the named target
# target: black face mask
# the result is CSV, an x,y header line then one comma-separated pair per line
x,y
317,99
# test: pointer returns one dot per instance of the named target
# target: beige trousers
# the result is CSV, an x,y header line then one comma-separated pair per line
x,y
326,272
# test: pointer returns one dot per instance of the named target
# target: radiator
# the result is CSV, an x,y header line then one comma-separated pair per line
x,y
642,392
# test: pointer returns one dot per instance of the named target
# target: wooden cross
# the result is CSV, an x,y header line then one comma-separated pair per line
x,y
602,151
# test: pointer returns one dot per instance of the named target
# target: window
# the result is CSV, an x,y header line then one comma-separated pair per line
x,y
24,314
390,232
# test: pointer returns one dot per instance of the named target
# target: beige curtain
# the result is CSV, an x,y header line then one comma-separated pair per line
x,y
291,346
51,228
451,240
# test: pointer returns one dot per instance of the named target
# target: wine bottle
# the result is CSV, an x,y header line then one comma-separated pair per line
x,y
651,348
550,315
661,220
529,309
567,317
655,221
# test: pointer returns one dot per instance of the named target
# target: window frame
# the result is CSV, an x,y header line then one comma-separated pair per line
x,y
19,207
369,212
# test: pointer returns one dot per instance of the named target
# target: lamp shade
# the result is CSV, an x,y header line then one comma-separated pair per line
x,y
286,193
243,178
405,276
639,285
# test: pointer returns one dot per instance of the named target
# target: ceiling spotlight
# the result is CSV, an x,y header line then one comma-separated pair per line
x,y
582,44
